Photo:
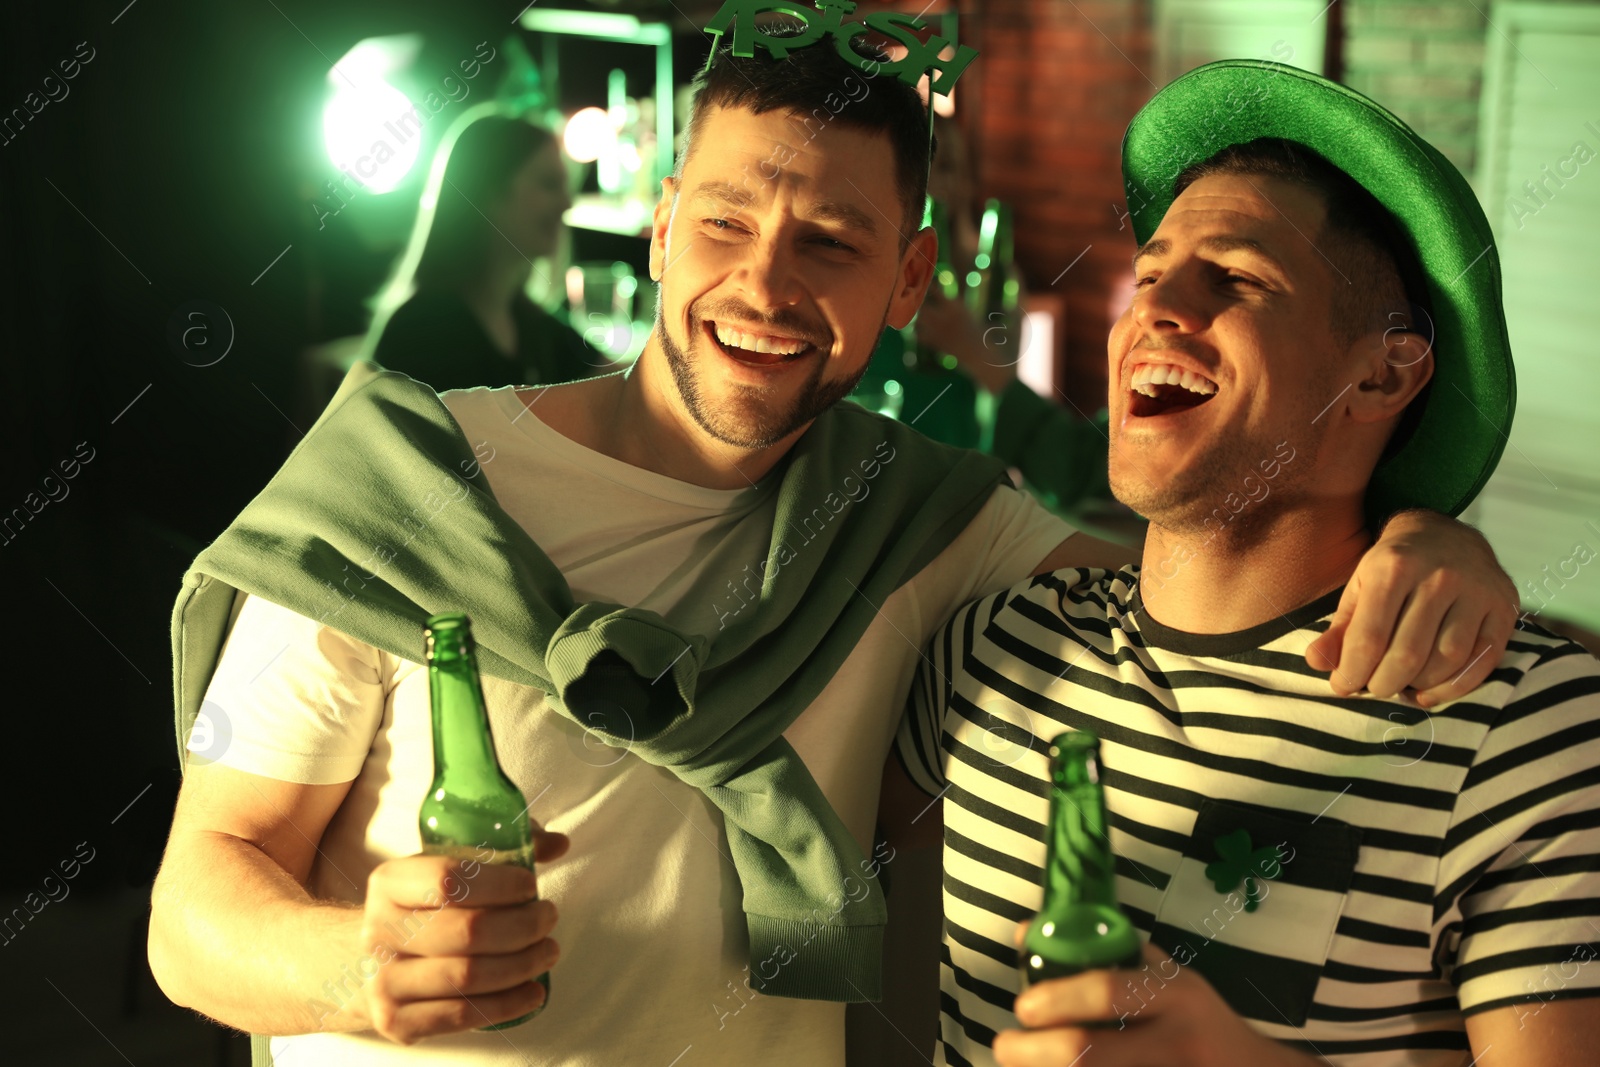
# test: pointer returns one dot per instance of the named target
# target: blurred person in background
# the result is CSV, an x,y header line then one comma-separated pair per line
x,y
456,315
1062,455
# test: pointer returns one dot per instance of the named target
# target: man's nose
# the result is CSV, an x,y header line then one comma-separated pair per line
x,y
770,277
1173,303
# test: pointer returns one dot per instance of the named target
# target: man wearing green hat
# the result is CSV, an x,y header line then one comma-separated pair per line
x,y
1316,337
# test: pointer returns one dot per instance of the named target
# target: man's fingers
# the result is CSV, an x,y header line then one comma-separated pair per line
x,y
1087,997
406,1023
1461,683
1486,656
1323,655
1453,649
1493,637
453,944
1045,1048
1372,622
549,846
422,978
1413,644
469,931
433,881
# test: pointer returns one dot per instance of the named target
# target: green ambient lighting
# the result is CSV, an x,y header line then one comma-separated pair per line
x,y
358,123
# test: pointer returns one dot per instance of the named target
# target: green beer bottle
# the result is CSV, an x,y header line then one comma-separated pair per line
x,y
1080,927
472,810
994,291
926,356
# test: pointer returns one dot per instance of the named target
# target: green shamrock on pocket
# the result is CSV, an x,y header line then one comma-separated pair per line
x,y
1241,862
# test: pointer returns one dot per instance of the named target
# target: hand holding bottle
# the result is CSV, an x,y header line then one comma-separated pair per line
x,y
1087,981
458,943
1164,1015
473,811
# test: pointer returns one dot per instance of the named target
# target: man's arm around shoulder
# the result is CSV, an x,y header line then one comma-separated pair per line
x,y
1428,607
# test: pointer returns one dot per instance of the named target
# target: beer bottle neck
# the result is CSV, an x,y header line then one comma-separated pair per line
x,y
1078,861
945,270
463,751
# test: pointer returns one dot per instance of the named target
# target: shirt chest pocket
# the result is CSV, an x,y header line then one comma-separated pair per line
x,y
1254,903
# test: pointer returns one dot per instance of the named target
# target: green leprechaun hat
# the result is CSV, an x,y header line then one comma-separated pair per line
x,y
1463,426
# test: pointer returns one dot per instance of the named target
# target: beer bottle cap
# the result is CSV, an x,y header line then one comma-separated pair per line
x,y
1075,759
448,635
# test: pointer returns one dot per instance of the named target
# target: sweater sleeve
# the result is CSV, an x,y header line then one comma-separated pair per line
x,y
1061,454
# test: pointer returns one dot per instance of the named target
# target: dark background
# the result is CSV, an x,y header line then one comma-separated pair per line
x,y
176,169
172,172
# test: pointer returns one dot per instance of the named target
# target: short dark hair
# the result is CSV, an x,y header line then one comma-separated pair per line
x,y
808,82
1359,236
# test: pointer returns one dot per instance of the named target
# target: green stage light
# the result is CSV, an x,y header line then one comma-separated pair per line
x,y
366,122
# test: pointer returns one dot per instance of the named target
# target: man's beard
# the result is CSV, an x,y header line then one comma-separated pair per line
x,y
1233,463
1196,502
748,418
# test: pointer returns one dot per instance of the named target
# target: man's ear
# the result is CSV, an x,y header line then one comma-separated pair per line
x,y
916,271
1393,368
660,225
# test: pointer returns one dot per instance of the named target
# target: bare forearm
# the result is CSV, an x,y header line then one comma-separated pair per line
x,y
1284,1056
237,939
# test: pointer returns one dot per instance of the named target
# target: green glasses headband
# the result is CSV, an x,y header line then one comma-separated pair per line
x,y
825,20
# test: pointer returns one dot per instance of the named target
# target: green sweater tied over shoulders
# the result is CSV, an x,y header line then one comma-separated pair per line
x,y
712,711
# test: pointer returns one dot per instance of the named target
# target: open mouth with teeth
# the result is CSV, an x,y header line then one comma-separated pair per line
x,y
1163,389
757,349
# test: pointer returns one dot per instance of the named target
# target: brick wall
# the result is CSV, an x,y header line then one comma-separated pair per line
x,y
1056,86
1046,105
1423,60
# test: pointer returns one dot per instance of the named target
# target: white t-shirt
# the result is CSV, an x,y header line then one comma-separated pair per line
x,y
654,948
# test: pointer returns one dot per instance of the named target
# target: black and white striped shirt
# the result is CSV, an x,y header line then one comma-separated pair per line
x,y
1432,865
